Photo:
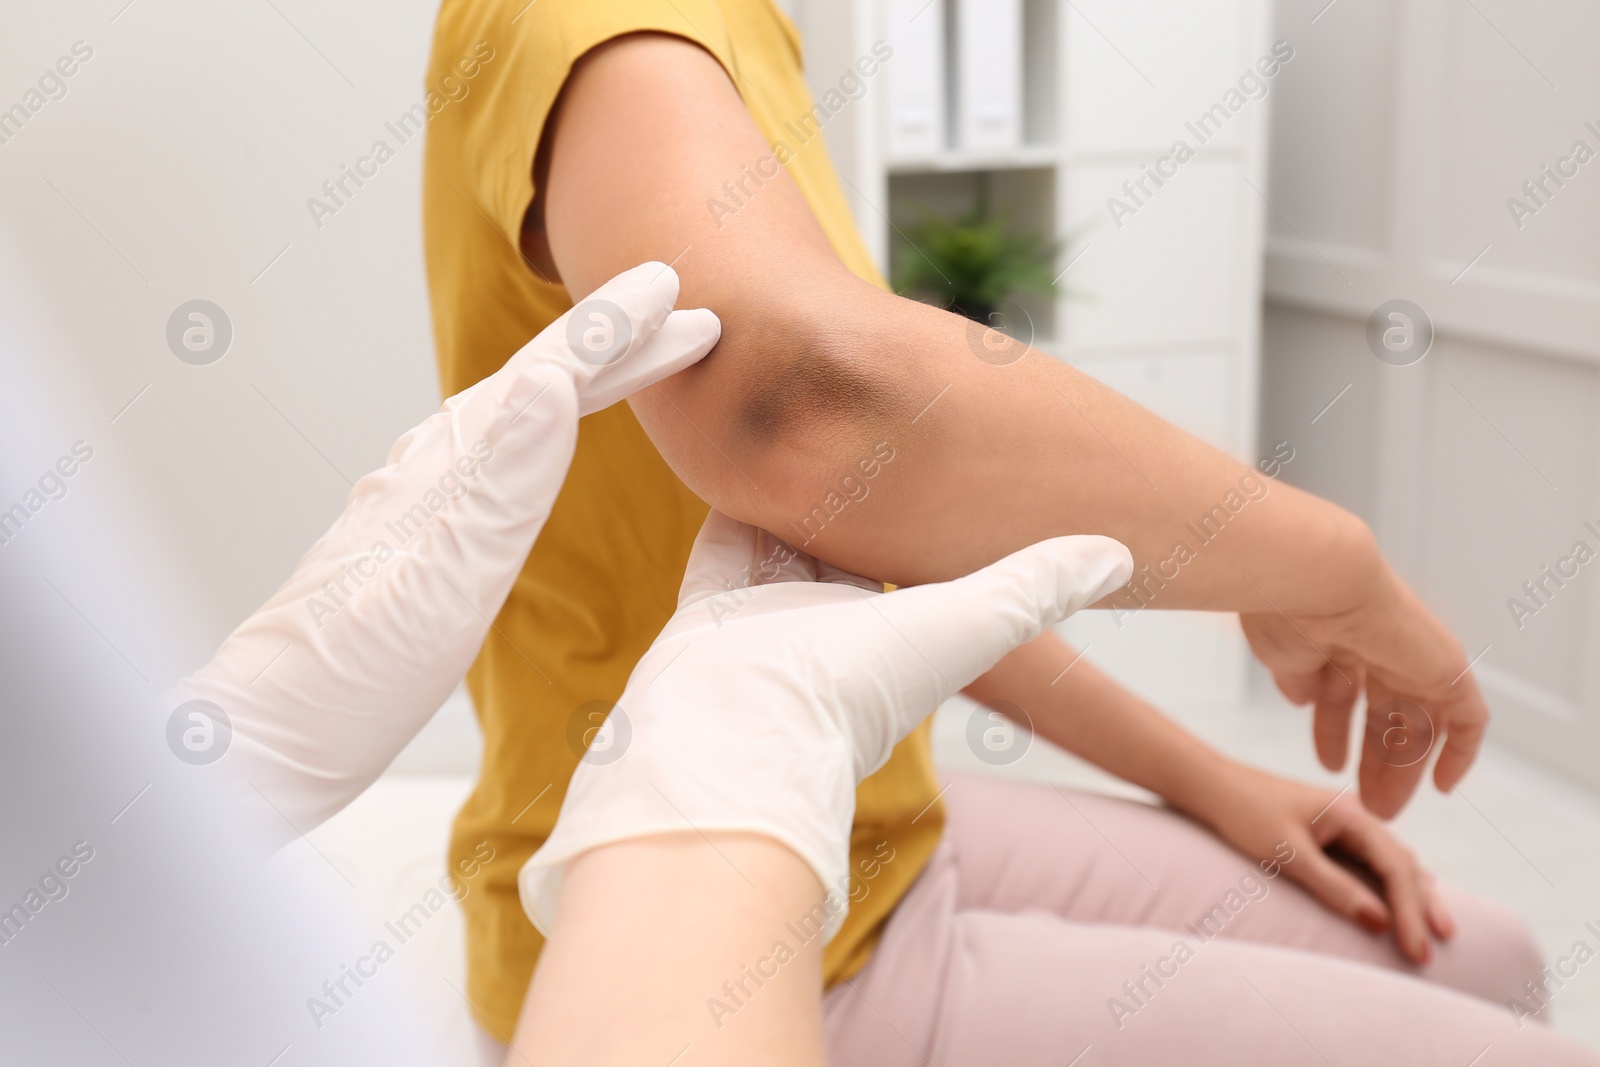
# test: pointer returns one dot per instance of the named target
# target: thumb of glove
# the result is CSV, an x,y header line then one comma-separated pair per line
x,y
966,626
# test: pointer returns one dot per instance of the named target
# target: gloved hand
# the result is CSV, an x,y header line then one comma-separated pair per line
x,y
328,681
781,682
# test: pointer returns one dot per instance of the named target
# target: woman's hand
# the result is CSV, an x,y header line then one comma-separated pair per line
x,y
1421,694
1255,811
1078,707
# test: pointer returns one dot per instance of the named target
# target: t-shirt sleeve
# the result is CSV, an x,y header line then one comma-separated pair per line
x,y
523,52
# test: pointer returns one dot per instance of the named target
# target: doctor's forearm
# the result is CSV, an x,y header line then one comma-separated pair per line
x,y
672,929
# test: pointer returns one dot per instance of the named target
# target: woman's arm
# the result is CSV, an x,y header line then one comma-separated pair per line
x,y
816,367
1087,713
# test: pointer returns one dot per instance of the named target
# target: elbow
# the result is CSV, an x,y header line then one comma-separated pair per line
x,y
793,404
818,390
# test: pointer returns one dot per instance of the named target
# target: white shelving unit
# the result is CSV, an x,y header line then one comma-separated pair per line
x,y
1163,301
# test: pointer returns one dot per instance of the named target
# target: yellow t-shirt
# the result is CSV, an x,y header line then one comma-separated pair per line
x,y
603,578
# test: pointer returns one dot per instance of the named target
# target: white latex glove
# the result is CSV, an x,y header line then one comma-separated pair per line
x,y
781,682
329,680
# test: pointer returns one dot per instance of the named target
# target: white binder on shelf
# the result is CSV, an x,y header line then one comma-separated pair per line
x,y
985,41
916,79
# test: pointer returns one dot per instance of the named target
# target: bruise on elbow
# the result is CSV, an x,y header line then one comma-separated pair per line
x,y
813,389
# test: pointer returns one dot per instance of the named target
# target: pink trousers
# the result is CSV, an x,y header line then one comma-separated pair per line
x,y
1064,928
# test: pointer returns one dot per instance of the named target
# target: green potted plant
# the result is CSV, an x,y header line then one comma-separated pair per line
x,y
974,263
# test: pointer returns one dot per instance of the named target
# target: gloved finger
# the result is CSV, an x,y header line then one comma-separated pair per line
x,y
723,558
827,572
965,626
533,412
644,295
601,329
524,409
452,405
536,405
779,561
683,339
623,316
609,323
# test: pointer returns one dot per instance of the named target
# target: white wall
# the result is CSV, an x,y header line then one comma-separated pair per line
x,y
177,166
1400,132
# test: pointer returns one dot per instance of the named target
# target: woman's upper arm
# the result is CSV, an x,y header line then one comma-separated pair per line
x,y
647,141
651,154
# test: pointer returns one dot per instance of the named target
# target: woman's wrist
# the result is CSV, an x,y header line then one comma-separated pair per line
x,y
1200,783
1362,575
1340,568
